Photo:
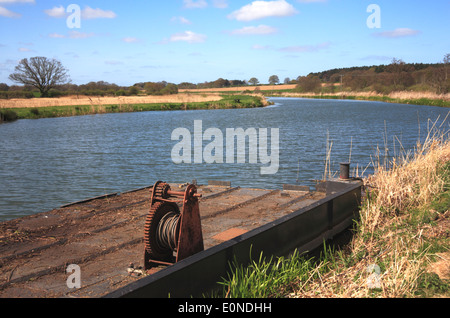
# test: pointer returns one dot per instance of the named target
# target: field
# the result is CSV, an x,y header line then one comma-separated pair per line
x,y
405,97
95,101
213,98
35,108
215,94
400,97
239,89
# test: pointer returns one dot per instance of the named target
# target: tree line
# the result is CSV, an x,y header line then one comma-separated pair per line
x,y
43,77
100,88
224,83
384,79
49,78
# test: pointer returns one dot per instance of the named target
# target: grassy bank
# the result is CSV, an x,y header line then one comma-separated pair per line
x,y
227,101
386,99
399,248
397,98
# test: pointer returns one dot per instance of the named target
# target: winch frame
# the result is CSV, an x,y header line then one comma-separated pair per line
x,y
188,234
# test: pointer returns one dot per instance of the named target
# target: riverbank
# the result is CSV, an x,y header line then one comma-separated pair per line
x,y
399,247
77,100
34,109
411,98
235,97
398,97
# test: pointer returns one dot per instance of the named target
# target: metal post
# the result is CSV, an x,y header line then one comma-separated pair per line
x,y
345,171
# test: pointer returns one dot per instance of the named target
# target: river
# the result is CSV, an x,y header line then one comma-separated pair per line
x,y
46,163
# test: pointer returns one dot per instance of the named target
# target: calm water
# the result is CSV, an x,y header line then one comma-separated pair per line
x,y
46,163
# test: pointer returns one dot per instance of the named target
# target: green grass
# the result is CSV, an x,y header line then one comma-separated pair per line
x,y
228,101
280,276
420,101
266,278
7,115
430,284
439,205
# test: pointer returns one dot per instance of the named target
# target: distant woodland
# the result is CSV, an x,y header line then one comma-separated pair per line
x,y
383,79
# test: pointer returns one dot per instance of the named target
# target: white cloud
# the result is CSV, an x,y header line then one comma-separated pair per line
x,y
86,13
17,1
263,9
71,35
221,4
8,14
89,13
191,4
261,47
255,30
311,1
181,20
306,48
130,40
80,35
397,33
200,4
188,36
56,36
56,12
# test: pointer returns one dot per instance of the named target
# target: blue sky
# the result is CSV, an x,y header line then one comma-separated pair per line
x,y
203,40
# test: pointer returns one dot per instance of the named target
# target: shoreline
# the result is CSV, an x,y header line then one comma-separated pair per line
x,y
424,101
199,100
424,98
224,102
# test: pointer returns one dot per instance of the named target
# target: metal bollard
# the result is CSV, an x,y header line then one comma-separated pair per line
x,y
345,171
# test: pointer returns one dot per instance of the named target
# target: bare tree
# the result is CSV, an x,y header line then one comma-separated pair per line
x,y
40,72
309,83
401,73
436,79
446,62
437,76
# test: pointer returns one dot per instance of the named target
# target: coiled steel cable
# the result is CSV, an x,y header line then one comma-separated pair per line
x,y
166,235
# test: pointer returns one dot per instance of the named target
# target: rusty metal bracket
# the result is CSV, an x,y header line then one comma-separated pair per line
x,y
170,235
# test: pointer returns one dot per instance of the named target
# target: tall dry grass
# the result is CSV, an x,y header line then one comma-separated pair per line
x,y
404,95
418,95
385,237
95,101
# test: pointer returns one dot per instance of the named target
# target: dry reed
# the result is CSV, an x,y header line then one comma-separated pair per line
x,y
95,101
402,95
384,236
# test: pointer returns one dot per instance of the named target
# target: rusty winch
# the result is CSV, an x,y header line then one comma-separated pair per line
x,y
171,235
